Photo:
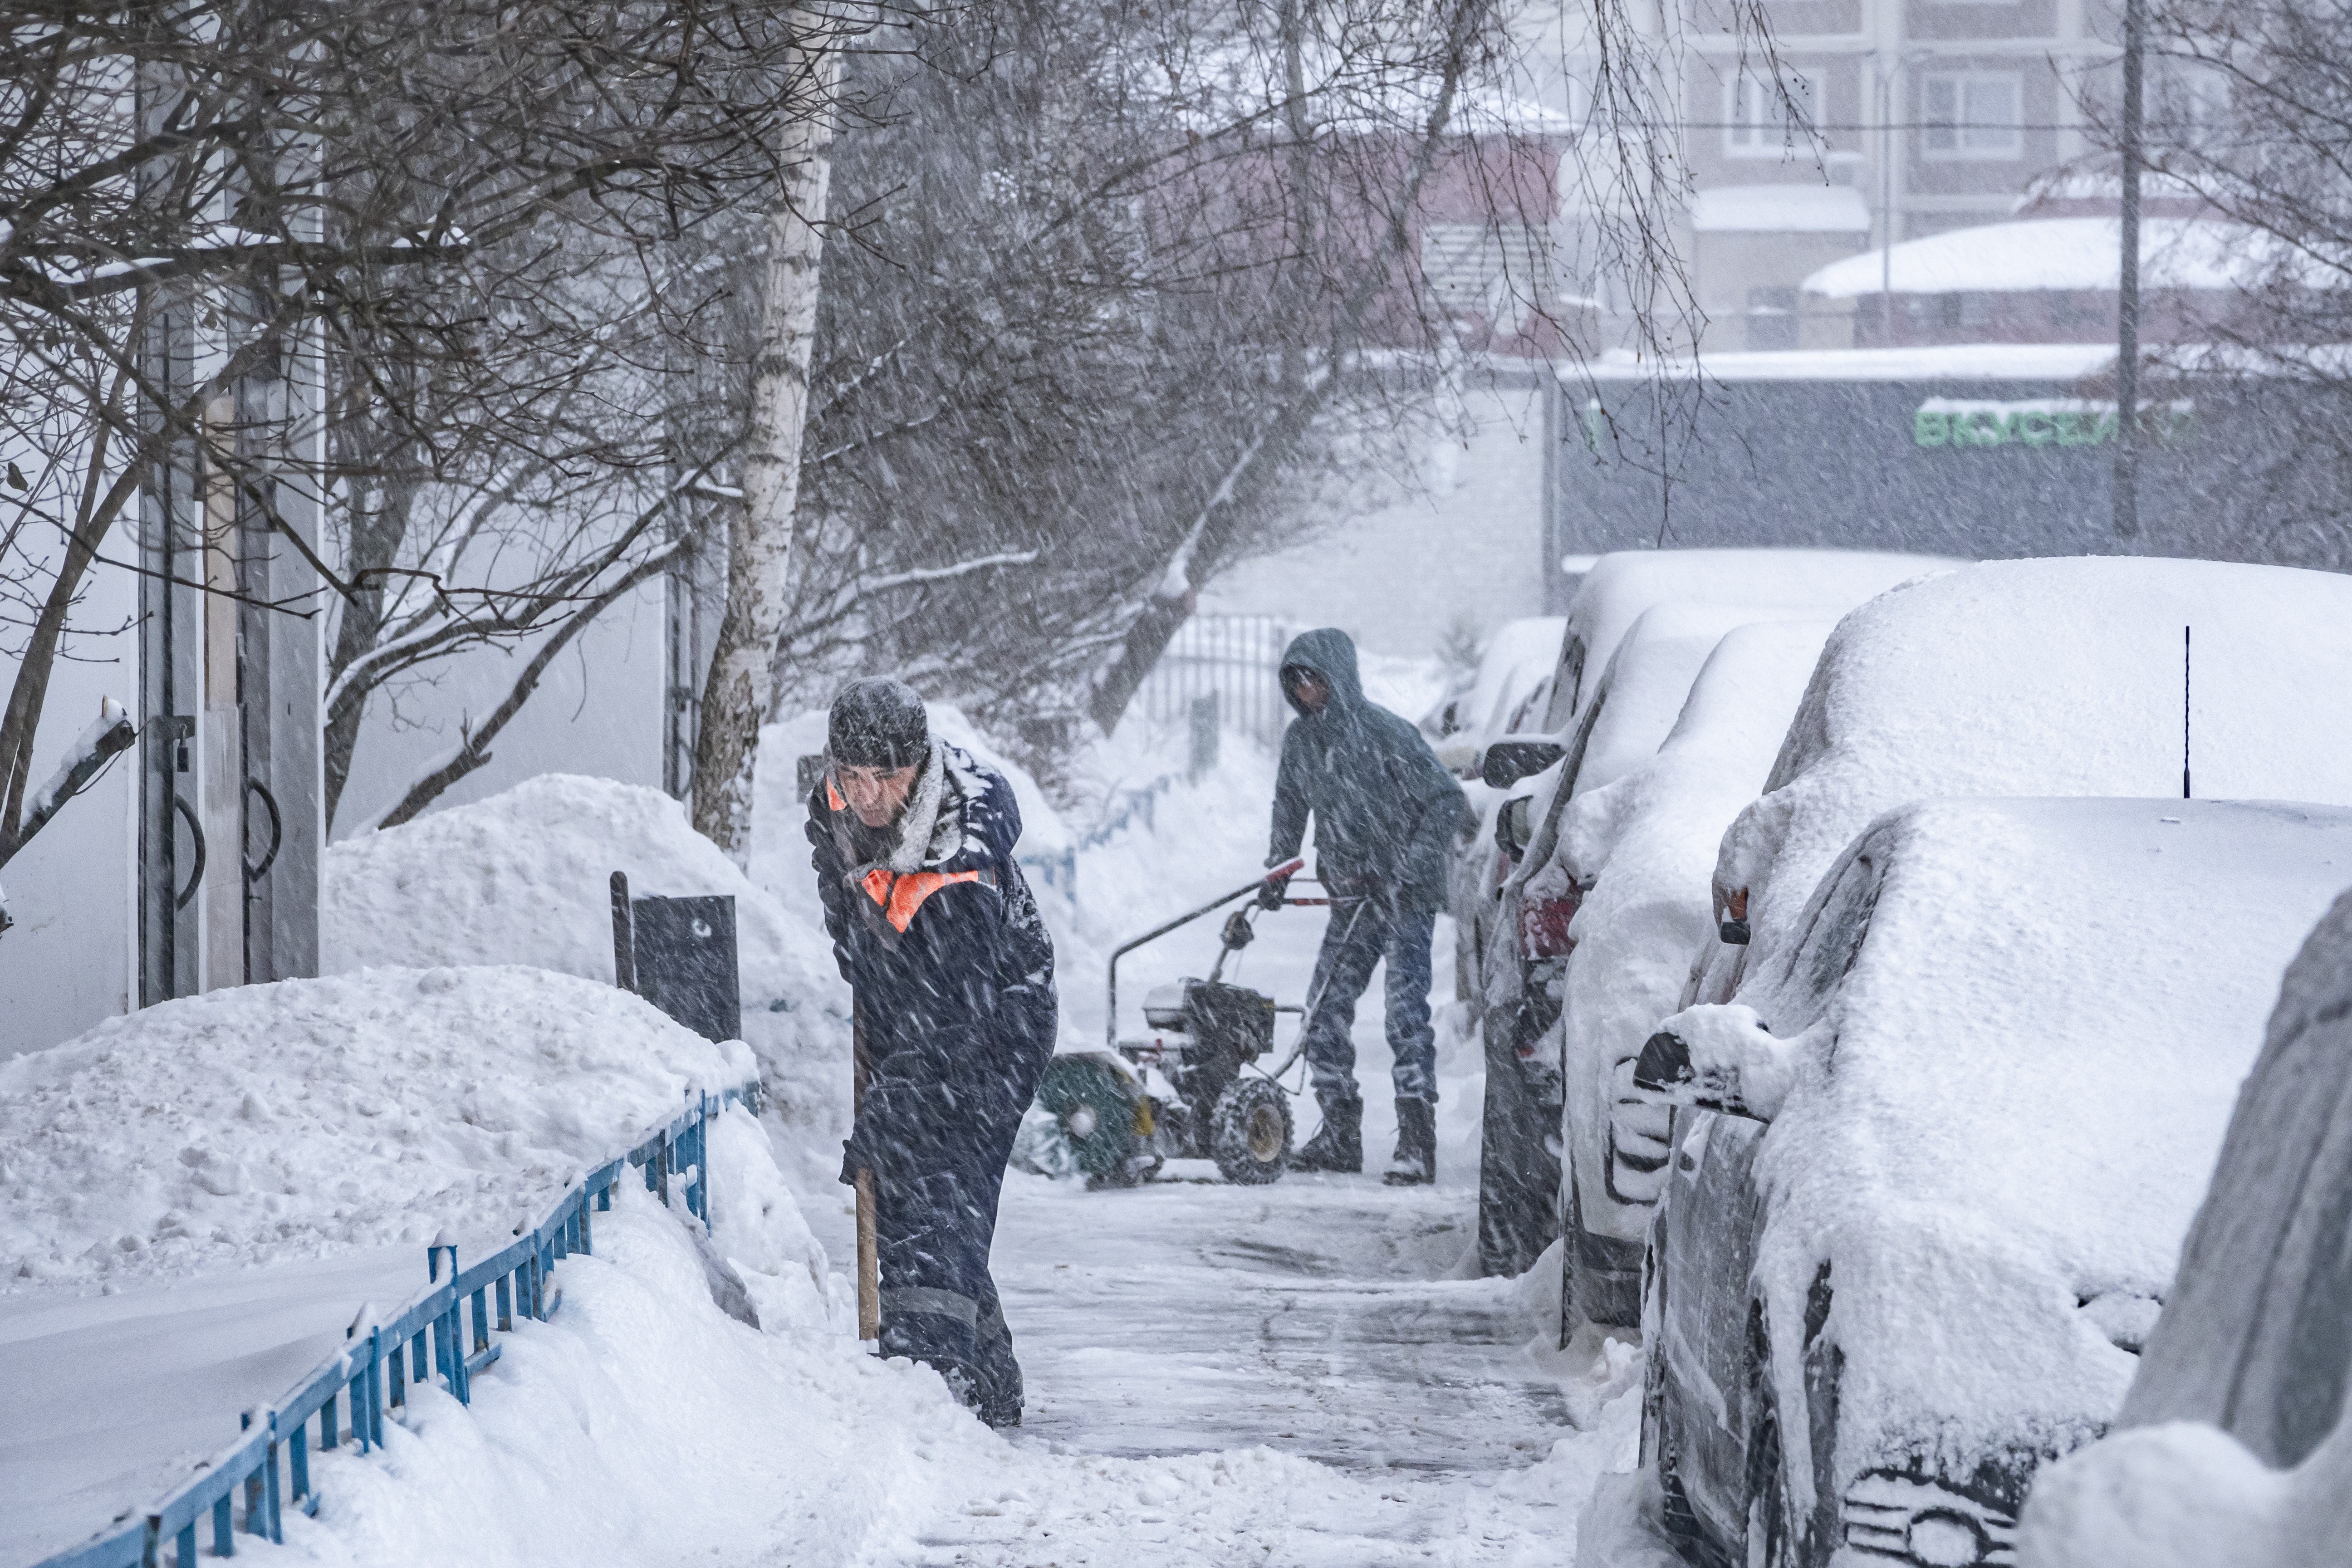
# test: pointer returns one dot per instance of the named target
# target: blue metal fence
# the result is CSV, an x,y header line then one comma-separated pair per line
x,y
442,1335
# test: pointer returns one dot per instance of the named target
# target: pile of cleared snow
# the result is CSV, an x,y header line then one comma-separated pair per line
x,y
313,1117
524,877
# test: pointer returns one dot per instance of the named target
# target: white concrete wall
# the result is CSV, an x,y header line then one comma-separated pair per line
x,y
1394,578
68,961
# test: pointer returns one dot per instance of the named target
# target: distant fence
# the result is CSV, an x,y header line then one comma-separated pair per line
x,y
1235,658
426,1341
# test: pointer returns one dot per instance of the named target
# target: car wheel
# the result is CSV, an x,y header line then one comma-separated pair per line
x,y
1771,1538
1676,1515
1518,1169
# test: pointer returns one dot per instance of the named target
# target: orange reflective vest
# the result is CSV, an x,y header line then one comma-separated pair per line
x,y
898,894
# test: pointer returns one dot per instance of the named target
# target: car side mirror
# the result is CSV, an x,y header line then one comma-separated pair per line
x,y
1513,829
1508,762
1720,1058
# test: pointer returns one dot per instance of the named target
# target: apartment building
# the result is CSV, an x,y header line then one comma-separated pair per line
x,y
1910,118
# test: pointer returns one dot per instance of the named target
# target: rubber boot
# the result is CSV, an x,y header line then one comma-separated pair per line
x,y
1416,1161
1338,1144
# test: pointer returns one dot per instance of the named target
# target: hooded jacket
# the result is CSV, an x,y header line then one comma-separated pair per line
x,y
1385,809
934,925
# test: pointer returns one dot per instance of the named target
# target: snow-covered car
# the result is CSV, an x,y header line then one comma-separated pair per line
x,y
1519,922
1639,848
1510,682
1624,584
1633,706
1614,593
1933,1167
2050,677
2234,1446
1512,679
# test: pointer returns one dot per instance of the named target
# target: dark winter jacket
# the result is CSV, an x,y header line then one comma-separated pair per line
x,y
934,927
1384,806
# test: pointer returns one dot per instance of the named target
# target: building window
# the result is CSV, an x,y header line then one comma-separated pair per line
x,y
1970,115
1766,118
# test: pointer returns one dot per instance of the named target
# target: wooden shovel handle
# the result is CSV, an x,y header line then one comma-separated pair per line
x,y
869,1251
870,1263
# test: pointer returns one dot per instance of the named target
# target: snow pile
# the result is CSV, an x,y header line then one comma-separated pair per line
x,y
758,1229
2076,254
1642,846
2048,677
524,877
2005,1113
313,1117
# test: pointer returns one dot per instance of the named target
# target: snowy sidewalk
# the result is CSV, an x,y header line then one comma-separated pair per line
x,y
1284,1374
1311,1316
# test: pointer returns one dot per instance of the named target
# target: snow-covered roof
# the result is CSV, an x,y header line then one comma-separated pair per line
x,y
1641,692
1649,678
1790,208
2001,1124
1623,585
1941,361
2076,254
1518,658
2052,677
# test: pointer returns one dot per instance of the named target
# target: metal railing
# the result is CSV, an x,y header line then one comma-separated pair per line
x,y
429,1340
1238,659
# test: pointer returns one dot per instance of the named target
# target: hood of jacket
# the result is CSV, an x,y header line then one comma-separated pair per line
x,y
1331,654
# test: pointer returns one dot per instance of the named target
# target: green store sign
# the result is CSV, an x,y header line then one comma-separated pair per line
x,y
2040,422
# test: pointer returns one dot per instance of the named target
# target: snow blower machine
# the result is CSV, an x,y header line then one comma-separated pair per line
x,y
1191,1087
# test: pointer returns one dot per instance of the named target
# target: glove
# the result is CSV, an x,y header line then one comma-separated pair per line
x,y
1270,893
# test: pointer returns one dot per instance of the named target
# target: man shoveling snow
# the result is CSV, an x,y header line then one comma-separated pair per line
x,y
1384,809
934,927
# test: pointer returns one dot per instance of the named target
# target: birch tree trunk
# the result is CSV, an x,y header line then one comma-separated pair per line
x,y
735,697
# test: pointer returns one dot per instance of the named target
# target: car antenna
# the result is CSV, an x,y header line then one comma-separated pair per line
x,y
2184,713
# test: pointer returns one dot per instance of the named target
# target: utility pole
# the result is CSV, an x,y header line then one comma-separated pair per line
x,y
1886,207
2127,485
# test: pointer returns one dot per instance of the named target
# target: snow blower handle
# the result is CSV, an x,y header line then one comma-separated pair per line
x,y
1281,873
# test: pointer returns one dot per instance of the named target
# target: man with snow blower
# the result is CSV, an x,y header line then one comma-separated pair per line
x,y
1384,809
934,927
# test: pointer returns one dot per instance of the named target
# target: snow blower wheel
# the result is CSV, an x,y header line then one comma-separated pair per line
x,y
1093,1103
1249,1136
